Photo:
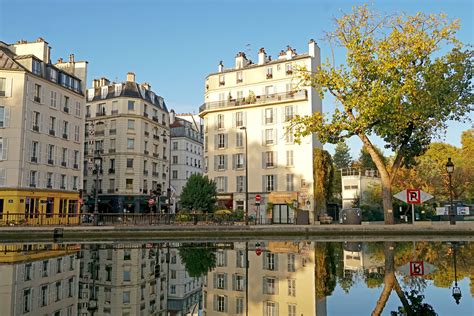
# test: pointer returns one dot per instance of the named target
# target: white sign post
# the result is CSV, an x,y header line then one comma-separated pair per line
x,y
413,196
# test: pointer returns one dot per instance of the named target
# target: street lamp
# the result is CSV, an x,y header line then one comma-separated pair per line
x,y
246,177
98,169
168,191
452,213
456,290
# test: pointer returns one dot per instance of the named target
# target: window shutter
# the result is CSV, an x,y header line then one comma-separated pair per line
x,y
5,149
215,279
275,137
226,140
233,161
295,109
275,182
263,117
276,307
225,281
233,120
28,120
263,184
264,285
42,95
234,281
3,176
216,141
225,162
215,162
283,114
40,153
275,157
276,260
216,307
263,137
8,87
7,116
244,118
225,184
225,304
275,115
264,163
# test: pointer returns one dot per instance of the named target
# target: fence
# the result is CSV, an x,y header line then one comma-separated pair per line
x,y
43,219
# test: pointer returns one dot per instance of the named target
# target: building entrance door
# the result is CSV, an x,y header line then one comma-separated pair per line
x,y
282,214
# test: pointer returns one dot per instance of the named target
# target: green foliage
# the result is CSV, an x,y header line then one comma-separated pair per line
x,y
323,169
199,194
365,160
371,213
342,157
197,258
417,307
395,85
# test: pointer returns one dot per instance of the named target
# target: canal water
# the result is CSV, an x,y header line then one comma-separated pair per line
x,y
293,278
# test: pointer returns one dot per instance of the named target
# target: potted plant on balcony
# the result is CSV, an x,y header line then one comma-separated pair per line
x,y
251,98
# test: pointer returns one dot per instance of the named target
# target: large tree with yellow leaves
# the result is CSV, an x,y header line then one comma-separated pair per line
x,y
404,78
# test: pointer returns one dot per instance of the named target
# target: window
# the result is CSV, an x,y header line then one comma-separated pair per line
x,y
221,184
36,121
3,87
173,274
27,272
129,184
239,77
126,297
221,80
220,121
33,177
65,129
269,183
270,286
63,182
221,140
36,69
220,303
76,159
269,137
173,289
240,185
268,116
45,268
240,259
52,125
49,180
291,262
289,158
291,310
239,139
269,72
270,261
129,162
59,265
175,145
50,154
58,290
238,282
292,287
175,159
34,151
53,99
239,305
239,119
66,104
131,124
78,108
126,276
3,148
288,113
269,159
64,157
221,258
290,182
131,105
127,254
288,69
3,116
289,136
130,143
44,295
175,174
37,93
26,300
70,287
221,162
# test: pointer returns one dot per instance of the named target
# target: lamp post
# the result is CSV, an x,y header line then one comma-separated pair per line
x,y
456,290
168,191
98,169
246,178
452,211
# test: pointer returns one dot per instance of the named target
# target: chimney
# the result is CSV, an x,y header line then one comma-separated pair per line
x,y
290,52
282,55
130,77
146,86
60,60
262,56
312,48
220,67
40,39
104,82
71,58
95,83
172,116
240,60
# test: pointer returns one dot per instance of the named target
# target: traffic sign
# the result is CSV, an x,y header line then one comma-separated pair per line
x,y
413,196
258,251
417,268
258,197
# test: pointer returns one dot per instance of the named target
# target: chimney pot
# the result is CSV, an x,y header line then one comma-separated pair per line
x,y
262,56
60,60
130,77
220,67
71,58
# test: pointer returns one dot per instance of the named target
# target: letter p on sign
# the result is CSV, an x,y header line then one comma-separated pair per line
x,y
413,196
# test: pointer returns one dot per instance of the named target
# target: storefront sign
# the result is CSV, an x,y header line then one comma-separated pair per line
x,y
282,197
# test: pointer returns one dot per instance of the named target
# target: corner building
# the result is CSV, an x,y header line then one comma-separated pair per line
x,y
41,132
128,130
253,104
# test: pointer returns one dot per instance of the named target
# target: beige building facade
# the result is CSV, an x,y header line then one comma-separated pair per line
x,y
127,130
253,104
41,130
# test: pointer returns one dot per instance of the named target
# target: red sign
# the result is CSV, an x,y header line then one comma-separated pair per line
x,y
258,197
81,201
413,196
258,251
417,268
151,201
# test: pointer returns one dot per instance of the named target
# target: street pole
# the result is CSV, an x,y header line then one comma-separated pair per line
x,y
246,177
452,211
97,162
246,278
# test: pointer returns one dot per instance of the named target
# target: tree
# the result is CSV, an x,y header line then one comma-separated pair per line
x,y
342,157
199,194
323,179
396,84
365,160
197,258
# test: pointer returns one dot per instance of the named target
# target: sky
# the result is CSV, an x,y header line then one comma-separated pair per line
x,y
173,45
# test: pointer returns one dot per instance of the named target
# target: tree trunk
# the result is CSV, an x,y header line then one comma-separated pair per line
x,y
387,200
389,279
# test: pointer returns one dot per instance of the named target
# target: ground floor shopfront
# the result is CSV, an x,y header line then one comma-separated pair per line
x,y
126,204
38,206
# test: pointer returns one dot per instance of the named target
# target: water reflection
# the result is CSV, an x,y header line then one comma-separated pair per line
x,y
284,278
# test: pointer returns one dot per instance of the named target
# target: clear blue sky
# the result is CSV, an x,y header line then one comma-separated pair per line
x,y
174,44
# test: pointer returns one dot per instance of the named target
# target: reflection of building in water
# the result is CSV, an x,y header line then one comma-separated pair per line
x,y
122,280
357,257
281,281
38,280
184,294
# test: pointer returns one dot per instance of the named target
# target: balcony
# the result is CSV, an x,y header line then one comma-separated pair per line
x,y
37,99
63,163
63,187
75,166
112,131
50,162
52,132
100,133
155,118
111,150
256,100
155,174
34,159
146,152
88,115
111,170
147,134
32,185
49,186
65,136
269,76
145,114
156,137
100,114
110,190
66,109
145,172
36,128
156,155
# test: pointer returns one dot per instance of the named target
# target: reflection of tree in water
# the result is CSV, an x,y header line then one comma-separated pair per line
x,y
417,307
198,258
325,269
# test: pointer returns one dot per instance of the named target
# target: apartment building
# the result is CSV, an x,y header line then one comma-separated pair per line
x,y
355,184
184,292
186,150
281,280
41,130
127,145
125,279
38,280
249,108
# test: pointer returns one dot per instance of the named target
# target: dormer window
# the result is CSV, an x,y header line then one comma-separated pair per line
x,y
239,77
118,89
288,69
53,74
36,67
104,91
269,73
221,80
